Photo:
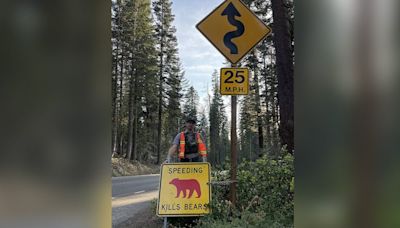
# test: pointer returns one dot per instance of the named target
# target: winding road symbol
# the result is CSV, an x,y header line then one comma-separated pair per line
x,y
234,29
231,12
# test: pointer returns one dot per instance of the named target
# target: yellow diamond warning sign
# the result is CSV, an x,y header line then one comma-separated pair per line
x,y
233,29
184,189
234,81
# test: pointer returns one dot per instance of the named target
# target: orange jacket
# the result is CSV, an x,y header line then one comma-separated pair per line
x,y
200,145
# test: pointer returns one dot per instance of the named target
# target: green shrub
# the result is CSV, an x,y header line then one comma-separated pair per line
x,y
153,205
265,193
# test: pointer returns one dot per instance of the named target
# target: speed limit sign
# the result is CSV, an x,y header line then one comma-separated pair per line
x,y
234,81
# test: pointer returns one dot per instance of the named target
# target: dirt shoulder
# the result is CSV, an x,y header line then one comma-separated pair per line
x,y
123,167
144,218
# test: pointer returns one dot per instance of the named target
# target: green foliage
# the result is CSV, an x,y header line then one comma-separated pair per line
x,y
191,101
153,205
264,196
218,125
146,77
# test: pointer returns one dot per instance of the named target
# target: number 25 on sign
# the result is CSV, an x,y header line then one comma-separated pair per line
x,y
234,81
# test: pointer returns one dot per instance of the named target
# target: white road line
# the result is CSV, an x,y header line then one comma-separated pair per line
x,y
131,194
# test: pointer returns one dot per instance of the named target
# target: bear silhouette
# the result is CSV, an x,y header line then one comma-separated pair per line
x,y
184,185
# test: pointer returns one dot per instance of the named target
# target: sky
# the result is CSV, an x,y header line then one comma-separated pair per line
x,y
198,56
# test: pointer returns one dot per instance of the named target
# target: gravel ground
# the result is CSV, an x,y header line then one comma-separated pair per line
x,y
145,218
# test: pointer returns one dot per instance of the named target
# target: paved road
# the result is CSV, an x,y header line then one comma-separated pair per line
x,y
131,194
124,186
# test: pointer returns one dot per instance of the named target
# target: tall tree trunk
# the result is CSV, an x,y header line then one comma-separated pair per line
x,y
258,108
154,134
221,146
121,144
120,150
267,95
160,100
131,115
135,120
284,63
135,136
275,120
132,91
116,118
160,104
115,106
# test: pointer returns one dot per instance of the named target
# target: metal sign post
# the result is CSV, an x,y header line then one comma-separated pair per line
x,y
233,148
165,225
234,30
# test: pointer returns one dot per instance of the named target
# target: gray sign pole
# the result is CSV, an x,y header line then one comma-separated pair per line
x,y
165,222
233,148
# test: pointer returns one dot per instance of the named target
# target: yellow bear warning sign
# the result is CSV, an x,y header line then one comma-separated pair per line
x,y
184,189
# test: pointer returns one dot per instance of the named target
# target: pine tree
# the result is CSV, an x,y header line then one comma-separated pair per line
x,y
142,58
146,78
218,124
202,127
117,77
265,87
252,62
284,64
174,94
166,47
247,127
191,101
223,147
174,79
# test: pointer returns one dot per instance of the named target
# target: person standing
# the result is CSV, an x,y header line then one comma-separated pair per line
x,y
188,145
